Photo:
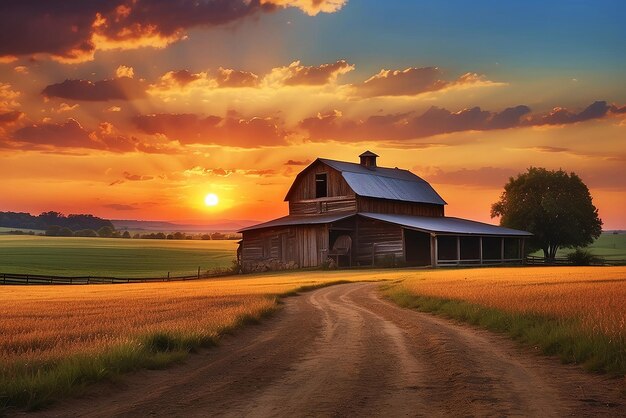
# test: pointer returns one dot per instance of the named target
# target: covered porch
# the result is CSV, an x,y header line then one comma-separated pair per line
x,y
469,250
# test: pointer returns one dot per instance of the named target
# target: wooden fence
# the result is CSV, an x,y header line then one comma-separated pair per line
x,y
39,279
563,261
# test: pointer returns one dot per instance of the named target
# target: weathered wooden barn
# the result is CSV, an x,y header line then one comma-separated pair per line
x,y
362,214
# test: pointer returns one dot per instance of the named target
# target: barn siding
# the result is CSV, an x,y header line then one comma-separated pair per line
x,y
323,205
304,186
302,245
368,204
388,240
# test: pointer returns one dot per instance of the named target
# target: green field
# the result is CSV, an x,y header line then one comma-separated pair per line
x,y
62,256
609,246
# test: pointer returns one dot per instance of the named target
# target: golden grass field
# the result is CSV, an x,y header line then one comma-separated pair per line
x,y
596,296
44,328
41,325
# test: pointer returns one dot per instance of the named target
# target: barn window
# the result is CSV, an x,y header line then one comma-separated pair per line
x,y
321,185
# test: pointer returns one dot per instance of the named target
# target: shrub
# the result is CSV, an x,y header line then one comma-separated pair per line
x,y
581,257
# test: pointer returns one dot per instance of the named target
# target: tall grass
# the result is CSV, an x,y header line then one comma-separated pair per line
x,y
57,339
577,313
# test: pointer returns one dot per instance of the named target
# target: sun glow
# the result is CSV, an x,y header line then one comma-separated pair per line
x,y
211,199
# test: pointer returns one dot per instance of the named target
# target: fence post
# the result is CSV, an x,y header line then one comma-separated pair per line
x,y
198,272
27,279
168,276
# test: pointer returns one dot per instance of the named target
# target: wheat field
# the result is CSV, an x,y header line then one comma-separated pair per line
x,y
595,296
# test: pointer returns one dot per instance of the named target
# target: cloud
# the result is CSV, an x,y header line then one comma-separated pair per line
x,y
68,134
296,74
310,7
563,116
413,81
122,88
21,69
401,126
73,34
235,78
230,131
223,77
124,71
71,134
296,162
8,96
136,177
119,206
10,116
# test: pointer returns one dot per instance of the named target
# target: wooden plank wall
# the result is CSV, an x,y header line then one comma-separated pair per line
x,y
368,204
305,187
326,205
301,244
387,237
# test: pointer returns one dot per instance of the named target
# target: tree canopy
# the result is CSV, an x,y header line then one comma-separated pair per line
x,y
555,206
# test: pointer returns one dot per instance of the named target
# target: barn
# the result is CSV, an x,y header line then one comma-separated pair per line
x,y
360,214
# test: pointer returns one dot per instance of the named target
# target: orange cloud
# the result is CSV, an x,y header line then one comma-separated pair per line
x,y
230,131
310,7
296,74
413,81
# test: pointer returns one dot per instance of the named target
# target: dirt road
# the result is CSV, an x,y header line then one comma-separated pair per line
x,y
342,351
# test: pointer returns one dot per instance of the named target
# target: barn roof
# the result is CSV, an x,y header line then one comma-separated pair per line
x,y
382,182
291,220
446,225
436,225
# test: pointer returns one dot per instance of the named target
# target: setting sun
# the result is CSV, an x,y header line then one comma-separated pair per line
x,y
211,199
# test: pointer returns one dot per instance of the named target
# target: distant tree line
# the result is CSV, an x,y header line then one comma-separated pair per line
x,y
56,224
49,219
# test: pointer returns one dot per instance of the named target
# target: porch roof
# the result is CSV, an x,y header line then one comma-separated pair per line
x,y
446,225
290,220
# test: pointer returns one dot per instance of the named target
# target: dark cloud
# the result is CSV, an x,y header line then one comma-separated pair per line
x,y
230,131
120,207
68,134
74,30
10,116
562,116
71,134
235,78
402,126
122,88
412,81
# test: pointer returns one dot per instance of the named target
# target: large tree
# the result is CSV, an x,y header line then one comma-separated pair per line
x,y
555,206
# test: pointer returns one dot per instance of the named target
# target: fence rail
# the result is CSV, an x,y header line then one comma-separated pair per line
x,y
39,279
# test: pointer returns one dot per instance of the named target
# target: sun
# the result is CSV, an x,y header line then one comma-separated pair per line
x,y
211,199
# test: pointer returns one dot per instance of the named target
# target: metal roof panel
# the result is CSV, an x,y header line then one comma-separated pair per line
x,y
299,220
446,225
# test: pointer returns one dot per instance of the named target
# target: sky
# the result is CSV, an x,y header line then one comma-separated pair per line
x,y
137,109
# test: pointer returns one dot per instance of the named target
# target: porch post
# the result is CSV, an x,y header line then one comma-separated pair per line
x,y
522,242
458,249
435,252
502,250
480,249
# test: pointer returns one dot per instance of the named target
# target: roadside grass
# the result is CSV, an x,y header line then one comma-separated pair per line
x,y
59,339
576,314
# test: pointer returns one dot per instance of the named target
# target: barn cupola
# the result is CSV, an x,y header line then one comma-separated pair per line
x,y
368,159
